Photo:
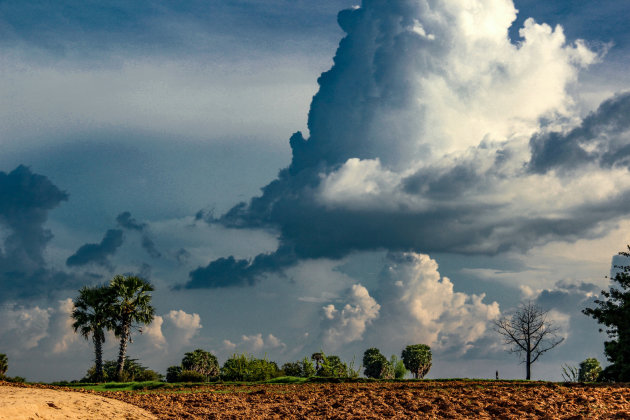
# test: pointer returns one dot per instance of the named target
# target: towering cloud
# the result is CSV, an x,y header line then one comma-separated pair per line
x,y
348,323
419,305
434,131
25,200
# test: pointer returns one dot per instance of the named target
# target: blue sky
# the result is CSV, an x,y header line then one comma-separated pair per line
x,y
451,162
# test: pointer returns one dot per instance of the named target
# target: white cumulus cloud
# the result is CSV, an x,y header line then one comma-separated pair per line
x,y
349,322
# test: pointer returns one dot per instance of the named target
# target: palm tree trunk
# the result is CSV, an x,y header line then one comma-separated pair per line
x,y
124,339
98,354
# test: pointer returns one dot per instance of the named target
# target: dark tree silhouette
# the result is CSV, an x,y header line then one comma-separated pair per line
x,y
614,312
131,309
92,315
529,333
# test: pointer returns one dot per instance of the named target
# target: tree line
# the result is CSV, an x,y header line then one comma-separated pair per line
x,y
124,305
203,366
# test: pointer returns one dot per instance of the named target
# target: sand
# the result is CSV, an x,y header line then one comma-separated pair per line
x,y
35,403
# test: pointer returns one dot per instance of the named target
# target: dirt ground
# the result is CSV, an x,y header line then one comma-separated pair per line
x,y
449,399
430,399
17,403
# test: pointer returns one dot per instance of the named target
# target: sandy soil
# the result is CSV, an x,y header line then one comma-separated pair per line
x,y
35,403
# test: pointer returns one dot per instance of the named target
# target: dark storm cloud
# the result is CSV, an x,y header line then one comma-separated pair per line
x,y
125,221
230,272
451,183
603,138
25,200
97,253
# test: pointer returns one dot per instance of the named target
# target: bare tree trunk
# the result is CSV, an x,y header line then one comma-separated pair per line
x,y
528,364
124,338
98,355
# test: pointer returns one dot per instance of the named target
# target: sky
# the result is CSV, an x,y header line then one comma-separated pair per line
x,y
298,176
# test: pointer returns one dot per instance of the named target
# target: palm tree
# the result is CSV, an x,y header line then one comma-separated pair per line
x,y
131,308
92,316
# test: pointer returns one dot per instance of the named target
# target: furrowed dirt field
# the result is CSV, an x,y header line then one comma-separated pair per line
x,y
430,399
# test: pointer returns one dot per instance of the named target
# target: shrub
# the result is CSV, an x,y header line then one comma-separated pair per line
x,y
302,368
201,361
307,368
191,376
398,366
589,370
292,369
14,379
173,374
417,359
132,372
246,368
332,367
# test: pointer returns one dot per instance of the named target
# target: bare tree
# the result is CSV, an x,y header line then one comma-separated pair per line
x,y
529,333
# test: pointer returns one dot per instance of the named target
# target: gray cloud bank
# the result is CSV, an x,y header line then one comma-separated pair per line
x,y
426,137
601,139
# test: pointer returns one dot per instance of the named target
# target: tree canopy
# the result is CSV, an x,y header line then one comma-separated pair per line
x,y
417,359
613,311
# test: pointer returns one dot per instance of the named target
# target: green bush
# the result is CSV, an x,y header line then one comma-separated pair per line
x,y
132,372
203,362
398,367
332,367
244,367
292,369
589,370
191,376
14,379
307,368
173,373
302,368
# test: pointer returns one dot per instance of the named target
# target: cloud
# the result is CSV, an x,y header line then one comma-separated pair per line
x,y
602,138
348,323
62,322
418,305
182,327
228,272
125,221
24,327
97,253
25,200
419,138
255,344
154,332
